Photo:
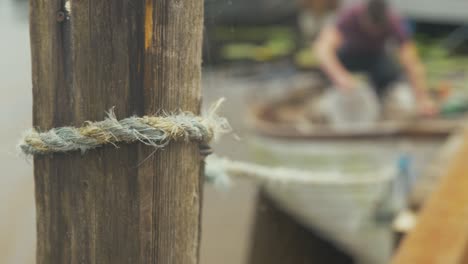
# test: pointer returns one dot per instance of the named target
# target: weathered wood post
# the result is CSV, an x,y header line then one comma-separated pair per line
x,y
114,205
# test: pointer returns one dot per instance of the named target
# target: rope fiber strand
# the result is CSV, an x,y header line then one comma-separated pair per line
x,y
155,131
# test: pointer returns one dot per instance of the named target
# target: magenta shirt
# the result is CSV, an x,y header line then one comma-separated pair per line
x,y
356,39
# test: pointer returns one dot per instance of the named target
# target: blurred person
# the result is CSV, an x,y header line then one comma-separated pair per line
x,y
357,42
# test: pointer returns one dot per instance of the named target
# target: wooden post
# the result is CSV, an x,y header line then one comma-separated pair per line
x,y
126,204
278,239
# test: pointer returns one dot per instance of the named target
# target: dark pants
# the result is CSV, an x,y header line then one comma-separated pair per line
x,y
380,67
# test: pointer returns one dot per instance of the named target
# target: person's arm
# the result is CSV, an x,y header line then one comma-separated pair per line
x,y
414,69
326,48
416,74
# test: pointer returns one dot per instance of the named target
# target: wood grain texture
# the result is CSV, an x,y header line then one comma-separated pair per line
x,y
441,233
278,239
125,205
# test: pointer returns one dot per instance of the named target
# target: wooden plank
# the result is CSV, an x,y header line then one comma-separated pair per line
x,y
441,234
125,205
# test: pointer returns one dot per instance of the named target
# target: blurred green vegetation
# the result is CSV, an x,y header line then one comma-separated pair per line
x,y
256,43
444,67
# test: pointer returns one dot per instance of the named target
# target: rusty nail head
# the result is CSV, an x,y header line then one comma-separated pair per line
x,y
60,16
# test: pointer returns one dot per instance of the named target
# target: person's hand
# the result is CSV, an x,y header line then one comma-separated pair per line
x,y
427,107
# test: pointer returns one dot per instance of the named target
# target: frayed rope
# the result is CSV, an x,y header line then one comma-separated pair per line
x,y
154,131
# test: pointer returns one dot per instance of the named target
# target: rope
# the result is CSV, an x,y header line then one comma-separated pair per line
x,y
158,131
155,131
220,171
